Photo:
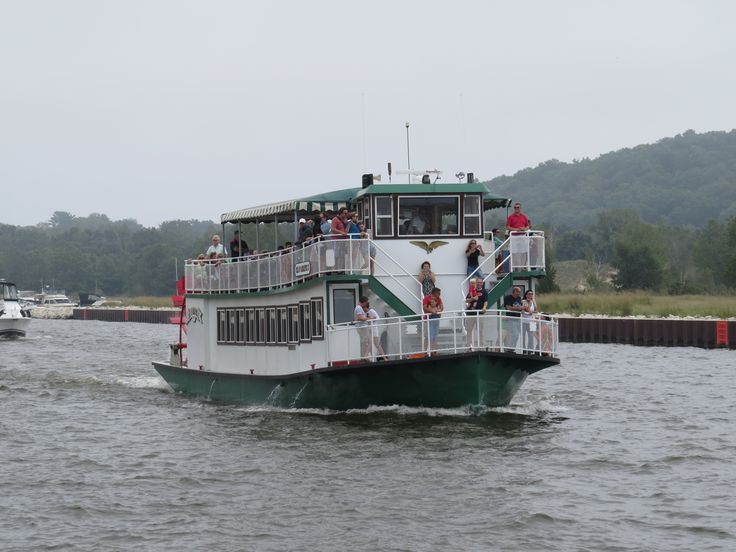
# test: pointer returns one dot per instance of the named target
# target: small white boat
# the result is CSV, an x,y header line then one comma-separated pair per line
x,y
13,318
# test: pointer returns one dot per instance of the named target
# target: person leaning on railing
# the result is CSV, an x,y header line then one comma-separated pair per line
x,y
529,319
512,304
433,307
476,302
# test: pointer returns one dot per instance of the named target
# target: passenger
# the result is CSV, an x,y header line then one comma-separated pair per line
x,y
418,223
426,278
238,248
366,235
363,327
511,321
375,326
529,320
339,232
518,225
517,221
353,228
497,243
432,307
473,252
324,224
199,272
216,248
339,224
475,302
305,232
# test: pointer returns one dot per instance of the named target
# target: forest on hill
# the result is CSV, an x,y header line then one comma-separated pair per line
x,y
686,180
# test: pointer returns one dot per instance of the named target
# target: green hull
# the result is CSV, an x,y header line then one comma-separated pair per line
x,y
446,381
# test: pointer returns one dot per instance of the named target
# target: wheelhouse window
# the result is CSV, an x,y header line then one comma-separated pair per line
x,y
428,215
384,216
471,215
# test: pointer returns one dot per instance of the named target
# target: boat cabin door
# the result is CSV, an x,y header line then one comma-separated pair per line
x,y
342,299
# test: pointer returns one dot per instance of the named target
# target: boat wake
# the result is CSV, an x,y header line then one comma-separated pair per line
x,y
543,408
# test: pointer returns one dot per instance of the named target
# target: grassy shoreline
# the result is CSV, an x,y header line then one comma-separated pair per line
x,y
638,303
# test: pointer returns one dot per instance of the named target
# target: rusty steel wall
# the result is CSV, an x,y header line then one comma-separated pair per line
x,y
158,316
645,331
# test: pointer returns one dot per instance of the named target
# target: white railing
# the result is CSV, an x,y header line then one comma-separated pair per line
x,y
454,332
522,251
277,268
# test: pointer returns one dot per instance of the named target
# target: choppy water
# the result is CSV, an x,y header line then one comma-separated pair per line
x,y
620,448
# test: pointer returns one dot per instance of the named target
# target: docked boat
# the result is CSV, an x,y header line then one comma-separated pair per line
x,y
278,327
14,319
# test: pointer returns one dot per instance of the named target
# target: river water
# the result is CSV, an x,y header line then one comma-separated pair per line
x,y
619,448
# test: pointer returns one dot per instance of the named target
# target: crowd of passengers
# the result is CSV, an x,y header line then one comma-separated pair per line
x,y
343,225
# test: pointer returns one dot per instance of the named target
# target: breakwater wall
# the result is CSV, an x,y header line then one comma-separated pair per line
x,y
150,316
660,332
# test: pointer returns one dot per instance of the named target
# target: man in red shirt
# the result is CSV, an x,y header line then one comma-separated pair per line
x,y
339,231
517,220
517,225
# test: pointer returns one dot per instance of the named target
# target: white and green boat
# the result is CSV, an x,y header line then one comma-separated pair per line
x,y
277,328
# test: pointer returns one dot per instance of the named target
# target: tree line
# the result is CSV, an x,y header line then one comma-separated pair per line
x,y
659,257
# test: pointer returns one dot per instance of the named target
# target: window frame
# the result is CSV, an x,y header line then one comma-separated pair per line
x,y
293,319
479,215
456,197
376,216
317,306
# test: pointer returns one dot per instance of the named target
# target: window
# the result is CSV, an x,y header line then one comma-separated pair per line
x,y
428,215
384,216
283,326
240,322
305,322
271,319
260,326
221,326
471,215
231,326
367,212
317,324
293,324
250,326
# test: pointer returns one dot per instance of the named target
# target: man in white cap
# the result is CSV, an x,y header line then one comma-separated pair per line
x,y
305,232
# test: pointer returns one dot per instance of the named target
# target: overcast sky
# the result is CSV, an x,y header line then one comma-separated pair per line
x,y
159,110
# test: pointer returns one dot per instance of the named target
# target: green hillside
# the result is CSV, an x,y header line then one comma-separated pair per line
x,y
686,180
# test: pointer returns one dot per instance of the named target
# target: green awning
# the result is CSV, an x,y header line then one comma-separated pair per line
x,y
328,201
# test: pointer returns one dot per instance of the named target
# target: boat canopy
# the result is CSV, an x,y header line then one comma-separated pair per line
x,y
334,200
328,201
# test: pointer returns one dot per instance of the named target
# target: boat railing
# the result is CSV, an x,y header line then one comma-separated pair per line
x,y
416,336
520,252
277,269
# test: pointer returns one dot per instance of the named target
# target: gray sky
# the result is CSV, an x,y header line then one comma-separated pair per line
x,y
161,110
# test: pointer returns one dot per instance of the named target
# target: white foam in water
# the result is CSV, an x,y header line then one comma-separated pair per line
x,y
142,382
536,409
